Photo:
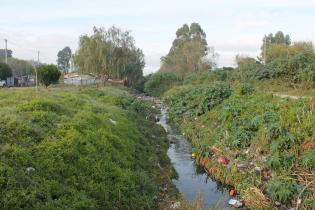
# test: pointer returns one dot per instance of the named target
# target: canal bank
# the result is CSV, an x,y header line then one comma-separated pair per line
x,y
191,181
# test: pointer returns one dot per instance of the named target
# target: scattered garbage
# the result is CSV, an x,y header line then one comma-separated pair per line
x,y
266,173
235,203
264,159
193,155
113,121
232,193
258,170
277,203
243,165
175,205
29,170
223,160
157,119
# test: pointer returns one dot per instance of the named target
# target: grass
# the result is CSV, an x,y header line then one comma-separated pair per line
x,y
80,149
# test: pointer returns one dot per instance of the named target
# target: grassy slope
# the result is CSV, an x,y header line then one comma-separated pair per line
x,y
266,130
79,149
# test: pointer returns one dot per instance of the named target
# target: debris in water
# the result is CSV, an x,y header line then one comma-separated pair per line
x,y
235,203
113,121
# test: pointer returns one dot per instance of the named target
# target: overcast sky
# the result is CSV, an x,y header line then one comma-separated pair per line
x,y
232,26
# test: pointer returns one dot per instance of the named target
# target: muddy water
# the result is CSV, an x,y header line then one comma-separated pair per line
x,y
191,182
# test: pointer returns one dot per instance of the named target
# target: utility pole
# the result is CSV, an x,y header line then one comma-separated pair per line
x,y
265,47
37,69
6,51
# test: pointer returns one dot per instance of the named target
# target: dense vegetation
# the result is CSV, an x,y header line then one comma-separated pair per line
x,y
267,140
255,128
79,149
158,83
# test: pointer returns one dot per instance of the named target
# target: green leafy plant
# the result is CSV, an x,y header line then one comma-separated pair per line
x,y
308,159
282,189
48,74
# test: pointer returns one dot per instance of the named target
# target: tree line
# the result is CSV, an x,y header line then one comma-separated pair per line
x,y
112,54
280,58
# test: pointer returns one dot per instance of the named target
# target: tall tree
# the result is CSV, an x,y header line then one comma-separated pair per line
x,y
189,52
110,54
63,61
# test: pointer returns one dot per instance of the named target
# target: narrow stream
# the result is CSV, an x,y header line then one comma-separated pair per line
x,y
190,181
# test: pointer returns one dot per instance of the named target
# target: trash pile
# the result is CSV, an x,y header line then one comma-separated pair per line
x,y
230,171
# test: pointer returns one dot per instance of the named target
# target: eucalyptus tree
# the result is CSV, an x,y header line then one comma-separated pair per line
x,y
63,60
189,52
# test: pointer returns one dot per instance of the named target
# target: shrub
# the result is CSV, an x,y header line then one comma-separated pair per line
x,y
48,74
244,89
160,82
208,77
282,189
308,159
197,101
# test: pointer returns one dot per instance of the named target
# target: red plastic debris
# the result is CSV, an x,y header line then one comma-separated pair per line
x,y
223,160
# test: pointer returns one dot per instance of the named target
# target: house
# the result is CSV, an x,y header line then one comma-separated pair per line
x,y
78,79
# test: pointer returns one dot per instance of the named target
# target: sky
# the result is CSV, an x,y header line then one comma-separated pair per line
x,y
232,26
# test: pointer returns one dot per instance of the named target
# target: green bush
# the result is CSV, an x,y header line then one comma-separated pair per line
x,y
244,89
308,159
282,189
197,101
48,74
160,82
207,78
